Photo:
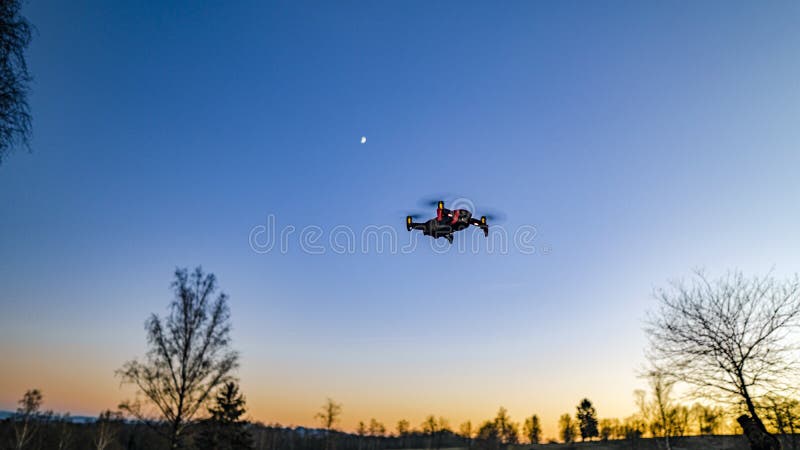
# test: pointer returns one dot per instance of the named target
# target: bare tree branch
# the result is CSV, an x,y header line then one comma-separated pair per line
x,y
189,356
15,118
727,338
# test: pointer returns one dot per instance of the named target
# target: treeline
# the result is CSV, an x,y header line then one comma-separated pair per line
x,y
695,420
31,428
225,428
187,380
59,432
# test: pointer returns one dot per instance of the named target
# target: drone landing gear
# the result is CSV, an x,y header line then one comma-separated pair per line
x,y
449,238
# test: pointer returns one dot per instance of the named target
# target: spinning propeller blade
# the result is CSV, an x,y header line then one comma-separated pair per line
x,y
453,202
432,201
492,215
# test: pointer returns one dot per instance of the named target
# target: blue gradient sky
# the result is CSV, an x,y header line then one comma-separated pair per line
x,y
641,139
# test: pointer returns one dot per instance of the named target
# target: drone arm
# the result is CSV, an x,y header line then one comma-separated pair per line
x,y
411,225
481,224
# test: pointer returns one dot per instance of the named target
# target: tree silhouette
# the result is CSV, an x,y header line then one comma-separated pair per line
x,y
633,427
329,417
64,432
533,429
376,428
708,418
435,428
465,430
506,429
728,338
567,428
376,431
107,426
225,429
488,436
26,420
784,415
608,428
229,405
678,419
189,355
15,118
430,427
361,431
403,429
587,419
662,408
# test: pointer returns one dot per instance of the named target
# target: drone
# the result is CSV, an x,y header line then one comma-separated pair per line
x,y
447,222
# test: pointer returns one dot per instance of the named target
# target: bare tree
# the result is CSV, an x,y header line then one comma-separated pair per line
x,y
708,418
487,436
189,356
508,430
444,428
64,432
15,118
465,431
784,416
728,337
435,429
661,385
361,431
430,427
403,429
607,429
376,428
107,424
632,427
679,420
27,418
329,417
376,431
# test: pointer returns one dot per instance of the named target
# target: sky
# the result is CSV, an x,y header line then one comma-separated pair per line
x,y
640,140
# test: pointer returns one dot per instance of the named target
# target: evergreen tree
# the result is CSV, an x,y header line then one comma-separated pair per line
x,y
229,405
225,429
587,420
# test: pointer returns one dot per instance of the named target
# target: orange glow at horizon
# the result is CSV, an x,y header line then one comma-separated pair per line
x,y
87,389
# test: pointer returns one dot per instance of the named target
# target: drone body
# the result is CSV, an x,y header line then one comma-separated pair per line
x,y
447,222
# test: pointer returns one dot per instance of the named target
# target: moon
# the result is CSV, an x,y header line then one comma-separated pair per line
x,y
363,139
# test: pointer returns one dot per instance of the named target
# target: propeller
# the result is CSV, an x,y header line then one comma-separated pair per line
x,y
432,201
416,216
452,201
492,215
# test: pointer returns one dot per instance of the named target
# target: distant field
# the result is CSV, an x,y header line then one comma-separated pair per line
x,y
738,442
